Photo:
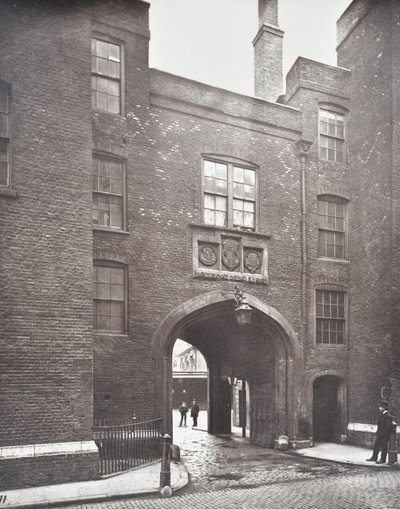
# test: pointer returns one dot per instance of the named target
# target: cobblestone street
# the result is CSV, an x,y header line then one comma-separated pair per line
x,y
229,473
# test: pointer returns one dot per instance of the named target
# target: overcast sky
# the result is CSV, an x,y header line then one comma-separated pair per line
x,y
211,40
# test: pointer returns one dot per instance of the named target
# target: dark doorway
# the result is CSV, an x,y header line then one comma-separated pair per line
x,y
326,409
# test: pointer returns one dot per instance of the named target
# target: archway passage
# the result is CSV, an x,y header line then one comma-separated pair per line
x,y
327,408
261,354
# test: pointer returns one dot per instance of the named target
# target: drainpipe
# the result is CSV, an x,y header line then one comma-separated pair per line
x,y
303,148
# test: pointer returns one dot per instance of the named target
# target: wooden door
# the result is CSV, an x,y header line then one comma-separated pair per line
x,y
262,415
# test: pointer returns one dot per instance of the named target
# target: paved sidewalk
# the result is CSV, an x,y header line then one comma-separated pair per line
x,y
145,480
341,453
139,481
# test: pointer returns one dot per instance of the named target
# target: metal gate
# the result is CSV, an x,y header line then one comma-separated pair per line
x,y
127,443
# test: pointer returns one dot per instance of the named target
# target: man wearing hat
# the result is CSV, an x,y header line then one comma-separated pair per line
x,y
383,432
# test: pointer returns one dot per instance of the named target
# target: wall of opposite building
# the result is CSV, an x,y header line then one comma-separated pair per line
x,y
395,54
367,52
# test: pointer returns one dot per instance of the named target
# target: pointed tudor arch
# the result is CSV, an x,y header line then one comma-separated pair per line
x,y
288,351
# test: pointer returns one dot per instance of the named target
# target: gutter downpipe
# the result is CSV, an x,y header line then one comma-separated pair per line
x,y
303,149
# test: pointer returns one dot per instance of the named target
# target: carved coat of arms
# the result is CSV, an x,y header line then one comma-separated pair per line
x,y
231,253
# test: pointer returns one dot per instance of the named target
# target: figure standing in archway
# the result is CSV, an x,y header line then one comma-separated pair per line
x,y
194,412
183,410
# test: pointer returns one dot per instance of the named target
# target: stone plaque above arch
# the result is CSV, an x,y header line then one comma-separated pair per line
x,y
232,255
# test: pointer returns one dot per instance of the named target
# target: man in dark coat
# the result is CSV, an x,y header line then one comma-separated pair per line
x,y
183,410
194,412
385,428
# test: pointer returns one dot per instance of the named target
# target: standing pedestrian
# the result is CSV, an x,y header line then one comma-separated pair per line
x,y
183,410
194,412
385,427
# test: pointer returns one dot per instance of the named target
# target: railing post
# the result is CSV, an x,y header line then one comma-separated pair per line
x,y
165,474
393,453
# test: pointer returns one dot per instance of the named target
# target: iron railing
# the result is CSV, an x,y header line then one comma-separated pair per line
x,y
125,443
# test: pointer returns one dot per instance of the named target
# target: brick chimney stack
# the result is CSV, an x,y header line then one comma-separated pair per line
x,y
268,70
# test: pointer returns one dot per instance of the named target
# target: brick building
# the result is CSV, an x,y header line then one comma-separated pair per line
x,y
132,201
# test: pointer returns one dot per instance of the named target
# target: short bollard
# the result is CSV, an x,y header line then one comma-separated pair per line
x,y
165,474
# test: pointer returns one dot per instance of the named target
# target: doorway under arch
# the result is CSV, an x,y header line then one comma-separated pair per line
x,y
265,353
328,408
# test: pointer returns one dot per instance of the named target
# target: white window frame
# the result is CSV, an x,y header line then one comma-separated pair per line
x,y
337,111
111,265
120,80
112,158
230,163
332,319
337,200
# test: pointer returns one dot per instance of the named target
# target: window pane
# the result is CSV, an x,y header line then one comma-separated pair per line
x,y
250,177
103,274
3,100
117,292
209,184
114,52
238,217
116,170
117,324
117,276
104,184
113,104
220,203
248,220
116,219
221,186
209,216
113,88
101,49
4,125
116,186
101,101
238,175
103,323
221,171
249,192
102,67
3,173
238,204
209,201
248,206
103,291
238,190
220,218
323,153
209,169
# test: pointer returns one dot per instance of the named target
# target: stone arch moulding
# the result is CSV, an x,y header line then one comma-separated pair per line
x,y
174,322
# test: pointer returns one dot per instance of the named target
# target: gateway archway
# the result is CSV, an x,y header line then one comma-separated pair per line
x,y
265,354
